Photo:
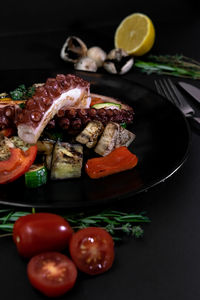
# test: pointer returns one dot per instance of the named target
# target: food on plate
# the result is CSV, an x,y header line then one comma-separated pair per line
x,y
92,250
40,232
50,131
109,105
135,34
90,134
7,132
52,273
45,148
68,91
113,136
15,159
67,161
118,160
72,120
36,176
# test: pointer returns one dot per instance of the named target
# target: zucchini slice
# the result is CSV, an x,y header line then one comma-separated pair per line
x,y
110,105
36,176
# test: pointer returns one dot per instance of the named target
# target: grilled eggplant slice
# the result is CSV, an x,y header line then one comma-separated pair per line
x,y
67,161
45,148
114,136
90,134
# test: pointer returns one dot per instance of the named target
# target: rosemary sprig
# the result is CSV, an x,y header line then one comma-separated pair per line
x,y
174,65
115,222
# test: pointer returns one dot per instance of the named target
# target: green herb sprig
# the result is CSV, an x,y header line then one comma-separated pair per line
x,y
173,65
115,222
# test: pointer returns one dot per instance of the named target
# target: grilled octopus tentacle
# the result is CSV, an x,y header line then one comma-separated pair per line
x,y
64,90
71,115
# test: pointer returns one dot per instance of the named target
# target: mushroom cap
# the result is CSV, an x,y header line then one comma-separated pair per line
x,y
73,49
86,64
118,62
97,54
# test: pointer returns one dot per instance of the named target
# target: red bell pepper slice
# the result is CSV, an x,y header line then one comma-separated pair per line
x,y
17,164
118,160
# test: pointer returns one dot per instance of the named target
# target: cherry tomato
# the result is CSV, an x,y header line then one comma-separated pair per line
x,y
92,250
40,232
52,273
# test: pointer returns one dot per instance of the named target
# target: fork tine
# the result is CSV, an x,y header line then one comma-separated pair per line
x,y
162,90
172,89
167,88
158,88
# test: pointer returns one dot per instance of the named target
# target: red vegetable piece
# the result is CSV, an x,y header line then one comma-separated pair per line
x,y
17,164
7,132
96,100
40,232
120,159
92,250
52,273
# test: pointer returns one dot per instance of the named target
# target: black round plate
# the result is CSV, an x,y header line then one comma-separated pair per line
x,y
161,144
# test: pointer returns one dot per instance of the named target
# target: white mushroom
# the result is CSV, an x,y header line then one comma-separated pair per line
x,y
118,62
86,64
97,54
73,49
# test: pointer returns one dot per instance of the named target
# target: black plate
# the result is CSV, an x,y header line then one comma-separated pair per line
x,y
162,142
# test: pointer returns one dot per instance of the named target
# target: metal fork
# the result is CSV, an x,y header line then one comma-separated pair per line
x,y
168,89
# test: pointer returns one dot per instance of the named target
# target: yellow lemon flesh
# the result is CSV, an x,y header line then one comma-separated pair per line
x,y
135,34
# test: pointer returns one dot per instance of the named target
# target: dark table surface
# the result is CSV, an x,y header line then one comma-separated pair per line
x,y
164,264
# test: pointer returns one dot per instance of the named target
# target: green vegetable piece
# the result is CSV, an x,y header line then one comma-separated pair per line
x,y
36,176
106,105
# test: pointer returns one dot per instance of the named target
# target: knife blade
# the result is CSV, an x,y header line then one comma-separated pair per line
x,y
191,89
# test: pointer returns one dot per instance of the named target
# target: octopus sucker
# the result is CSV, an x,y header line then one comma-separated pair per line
x,y
62,91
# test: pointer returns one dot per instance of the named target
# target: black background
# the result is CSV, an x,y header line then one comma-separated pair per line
x,y
165,264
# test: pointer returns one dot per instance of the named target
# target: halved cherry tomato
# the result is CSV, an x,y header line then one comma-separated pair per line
x,y
17,164
40,232
52,273
92,250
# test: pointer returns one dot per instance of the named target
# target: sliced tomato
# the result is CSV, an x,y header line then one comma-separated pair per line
x,y
40,232
52,273
92,250
18,163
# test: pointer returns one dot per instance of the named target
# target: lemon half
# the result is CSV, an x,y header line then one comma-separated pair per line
x,y
135,34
